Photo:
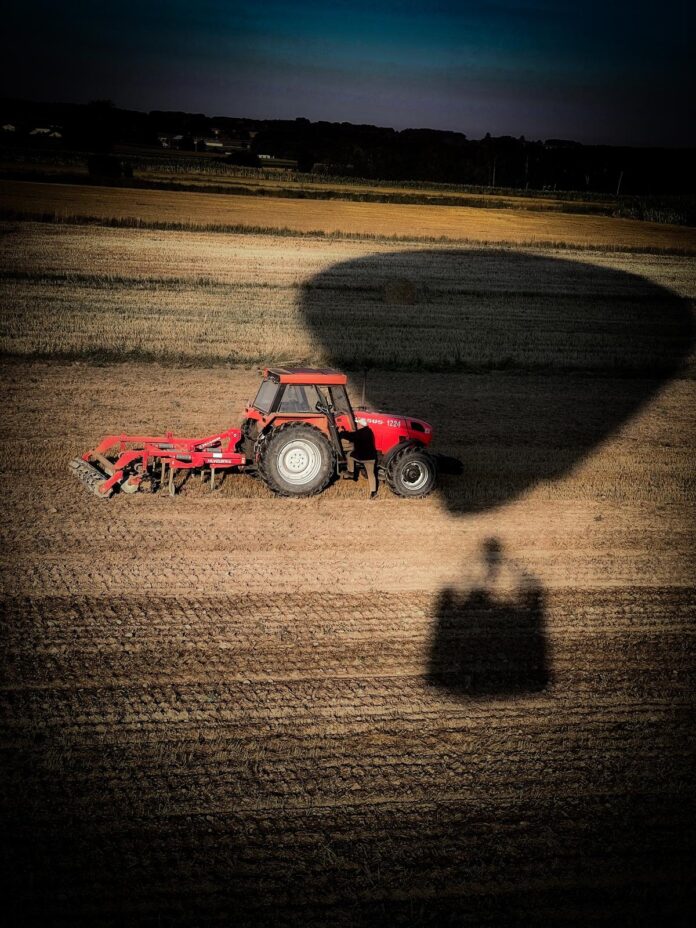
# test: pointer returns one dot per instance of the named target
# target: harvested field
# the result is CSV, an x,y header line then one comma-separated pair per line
x,y
347,190
191,210
475,709
220,178
114,294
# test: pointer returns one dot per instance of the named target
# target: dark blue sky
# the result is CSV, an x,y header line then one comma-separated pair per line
x,y
598,71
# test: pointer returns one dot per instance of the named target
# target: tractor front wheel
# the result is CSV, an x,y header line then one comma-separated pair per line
x,y
411,473
297,460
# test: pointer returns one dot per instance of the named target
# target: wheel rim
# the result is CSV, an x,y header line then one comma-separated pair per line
x,y
414,475
299,462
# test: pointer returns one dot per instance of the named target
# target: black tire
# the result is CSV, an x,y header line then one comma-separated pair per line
x,y
412,473
297,460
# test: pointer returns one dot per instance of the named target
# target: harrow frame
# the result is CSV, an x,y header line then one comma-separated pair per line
x,y
137,455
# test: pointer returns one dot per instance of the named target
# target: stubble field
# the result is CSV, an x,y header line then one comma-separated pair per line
x,y
236,709
190,211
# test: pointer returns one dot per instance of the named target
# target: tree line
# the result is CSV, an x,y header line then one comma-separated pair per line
x,y
344,149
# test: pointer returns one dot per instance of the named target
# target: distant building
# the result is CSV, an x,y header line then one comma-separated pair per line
x,y
46,132
219,142
271,161
207,144
8,127
182,142
235,141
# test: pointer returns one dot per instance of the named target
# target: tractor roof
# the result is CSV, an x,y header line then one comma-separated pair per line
x,y
305,375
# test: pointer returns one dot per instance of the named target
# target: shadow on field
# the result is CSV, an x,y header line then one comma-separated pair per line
x,y
524,365
549,333
490,642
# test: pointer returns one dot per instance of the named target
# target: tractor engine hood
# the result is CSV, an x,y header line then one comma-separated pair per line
x,y
390,428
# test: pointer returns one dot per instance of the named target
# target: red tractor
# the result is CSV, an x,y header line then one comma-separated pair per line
x,y
298,434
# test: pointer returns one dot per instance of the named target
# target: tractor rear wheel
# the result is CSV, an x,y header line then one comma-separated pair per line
x,y
411,473
297,460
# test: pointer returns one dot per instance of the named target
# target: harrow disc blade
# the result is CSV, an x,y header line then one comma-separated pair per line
x,y
89,477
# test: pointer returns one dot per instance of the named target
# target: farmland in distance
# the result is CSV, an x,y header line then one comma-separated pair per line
x,y
187,211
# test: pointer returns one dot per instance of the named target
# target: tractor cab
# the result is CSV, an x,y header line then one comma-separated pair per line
x,y
302,393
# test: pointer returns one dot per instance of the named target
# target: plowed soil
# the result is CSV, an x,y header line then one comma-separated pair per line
x,y
240,710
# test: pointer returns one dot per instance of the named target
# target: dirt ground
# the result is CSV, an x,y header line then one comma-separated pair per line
x,y
236,709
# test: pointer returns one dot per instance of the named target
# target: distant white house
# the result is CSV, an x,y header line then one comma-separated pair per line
x,y
46,132
8,127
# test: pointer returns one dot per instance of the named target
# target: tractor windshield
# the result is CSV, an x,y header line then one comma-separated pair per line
x,y
299,398
265,396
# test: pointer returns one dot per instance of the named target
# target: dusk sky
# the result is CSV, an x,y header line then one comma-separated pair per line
x,y
595,71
